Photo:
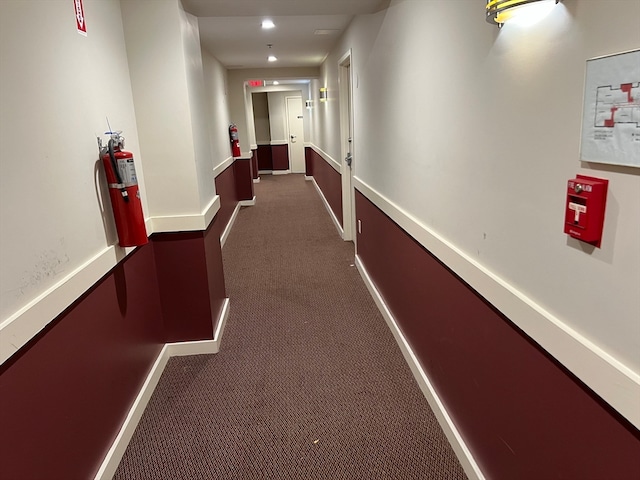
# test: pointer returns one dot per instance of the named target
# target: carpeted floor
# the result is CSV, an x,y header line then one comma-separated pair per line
x,y
309,382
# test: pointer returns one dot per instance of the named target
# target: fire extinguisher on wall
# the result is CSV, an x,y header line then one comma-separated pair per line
x,y
235,143
123,191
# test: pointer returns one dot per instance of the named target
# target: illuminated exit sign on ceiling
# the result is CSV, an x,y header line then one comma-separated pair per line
x,y
256,83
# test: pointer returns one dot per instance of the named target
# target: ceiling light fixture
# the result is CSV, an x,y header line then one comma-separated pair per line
x,y
268,24
271,57
501,11
276,82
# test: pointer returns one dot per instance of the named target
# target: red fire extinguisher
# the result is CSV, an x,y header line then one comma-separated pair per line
x,y
123,190
235,143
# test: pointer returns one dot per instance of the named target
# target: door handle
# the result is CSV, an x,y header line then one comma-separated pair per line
x,y
348,159
293,138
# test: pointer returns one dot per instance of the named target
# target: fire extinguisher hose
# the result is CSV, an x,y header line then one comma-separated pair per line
x,y
114,165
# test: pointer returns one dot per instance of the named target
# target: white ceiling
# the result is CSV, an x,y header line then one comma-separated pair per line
x,y
230,29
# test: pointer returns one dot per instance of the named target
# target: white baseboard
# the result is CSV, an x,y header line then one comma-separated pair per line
x,y
328,207
460,448
280,172
308,178
256,180
265,172
119,445
248,203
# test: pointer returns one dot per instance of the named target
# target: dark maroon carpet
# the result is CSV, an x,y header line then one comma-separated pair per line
x,y
309,383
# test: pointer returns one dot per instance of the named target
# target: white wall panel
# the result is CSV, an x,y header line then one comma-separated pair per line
x,y
473,131
56,88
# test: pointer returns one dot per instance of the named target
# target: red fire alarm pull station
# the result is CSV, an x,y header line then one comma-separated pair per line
x,y
584,212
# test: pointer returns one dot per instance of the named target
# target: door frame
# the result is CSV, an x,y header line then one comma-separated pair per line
x,y
345,89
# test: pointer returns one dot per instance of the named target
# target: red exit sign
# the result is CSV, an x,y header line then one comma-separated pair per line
x,y
256,83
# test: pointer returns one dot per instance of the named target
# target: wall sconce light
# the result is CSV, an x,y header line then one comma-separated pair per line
x,y
308,103
323,94
500,11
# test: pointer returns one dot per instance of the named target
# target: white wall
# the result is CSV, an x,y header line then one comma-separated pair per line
x,y
278,113
56,88
215,80
473,132
261,118
163,49
200,119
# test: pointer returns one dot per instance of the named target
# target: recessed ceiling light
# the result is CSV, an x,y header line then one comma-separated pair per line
x,y
267,24
325,31
272,58
276,82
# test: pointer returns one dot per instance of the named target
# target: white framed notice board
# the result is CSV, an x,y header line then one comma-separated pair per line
x,y
611,111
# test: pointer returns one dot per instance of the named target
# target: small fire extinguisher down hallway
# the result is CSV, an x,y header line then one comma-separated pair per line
x,y
480,320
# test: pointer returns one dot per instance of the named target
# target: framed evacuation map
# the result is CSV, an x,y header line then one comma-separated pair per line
x,y
611,112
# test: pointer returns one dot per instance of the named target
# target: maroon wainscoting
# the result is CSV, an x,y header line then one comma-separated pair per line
x,y
64,396
329,181
522,415
254,163
280,156
242,170
265,158
226,189
308,161
185,264
215,269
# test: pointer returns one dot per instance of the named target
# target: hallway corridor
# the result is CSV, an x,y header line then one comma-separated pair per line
x,y
309,382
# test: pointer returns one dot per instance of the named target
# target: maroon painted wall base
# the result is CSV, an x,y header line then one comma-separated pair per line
x,y
265,158
65,395
522,415
254,163
280,157
243,173
328,180
191,283
308,161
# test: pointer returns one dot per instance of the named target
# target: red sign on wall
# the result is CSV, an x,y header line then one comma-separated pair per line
x,y
81,25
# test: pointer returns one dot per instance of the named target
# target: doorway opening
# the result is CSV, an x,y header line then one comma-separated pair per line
x,y
347,147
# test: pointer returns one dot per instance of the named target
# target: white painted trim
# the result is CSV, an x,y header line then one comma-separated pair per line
x,y
118,447
280,172
221,167
265,172
248,203
328,207
616,383
337,166
256,180
27,322
308,177
460,448
187,223
278,142
227,229
253,146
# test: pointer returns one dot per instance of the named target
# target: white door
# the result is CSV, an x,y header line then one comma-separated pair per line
x,y
295,132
